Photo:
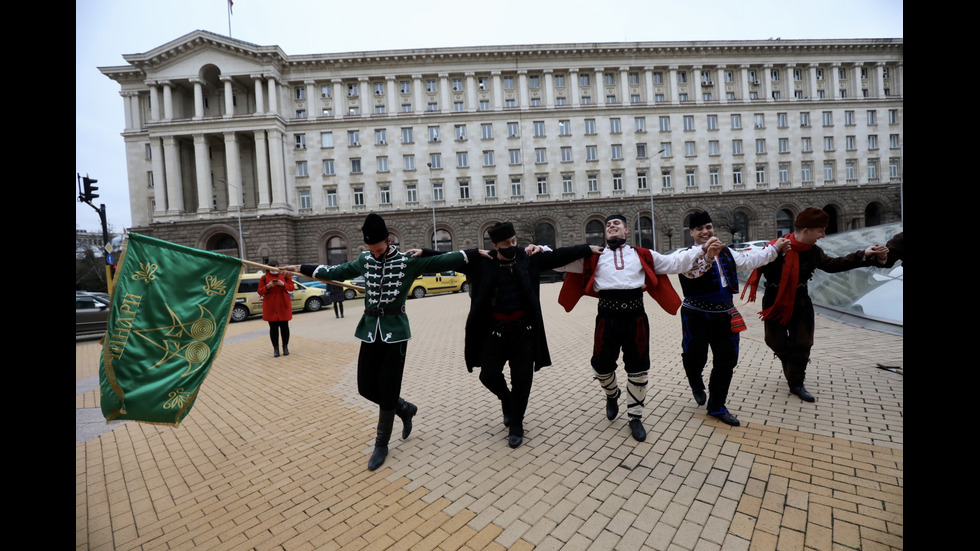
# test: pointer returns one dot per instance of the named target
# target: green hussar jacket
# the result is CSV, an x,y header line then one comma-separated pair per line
x,y
387,283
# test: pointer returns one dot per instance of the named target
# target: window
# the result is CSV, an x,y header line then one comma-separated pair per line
x,y
490,187
382,164
665,149
535,102
355,166
736,175
843,93
821,94
484,105
712,122
665,124
806,172
406,87
776,94
658,77
893,141
513,130
326,139
352,90
589,126
849,170
610,99
714,178
729,76
515,156
483,83
893,170
690,178
464,189
828,143
433,133
564,128
542,182
301,113
583,79
458,106
641,151
872,141
488,158
540,155
760,146
431,86
353,138
384,194
328,167
534,81
736,121
689,149
559,81
593,182
300,92
326,91
682,97
850,143
828,171
804,119
782,121
409,161
806,145
783,173
872,117
641,179
460,131
381,136
736,147
634,98
435,160
590,153
659,98
515,187
760,174
752,77
358,196
301,169
784,145
614,126
681,76
566,184
665,179
617,152
462,159
538,129
713,148
586,100
457,85
432,106
486,131
560,100
872,170
510,103
893,116
848,118
774,74
640,123
331,198
688,122
408,135
828,118
819,73
566,154
380,109
406,108
617,181
437,191
300,141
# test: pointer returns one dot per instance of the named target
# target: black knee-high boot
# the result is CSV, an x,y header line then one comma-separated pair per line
x,y
385,421
405,412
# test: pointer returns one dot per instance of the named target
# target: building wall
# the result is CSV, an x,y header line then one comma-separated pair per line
x,y
203,106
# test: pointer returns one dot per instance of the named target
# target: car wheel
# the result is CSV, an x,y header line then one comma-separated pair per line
x,y
313,305
418,292
465,287
350,294
239,313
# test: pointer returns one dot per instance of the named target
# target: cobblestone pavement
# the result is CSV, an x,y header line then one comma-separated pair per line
x,y
274,454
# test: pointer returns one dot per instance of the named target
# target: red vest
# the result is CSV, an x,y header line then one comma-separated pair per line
x,y
658,286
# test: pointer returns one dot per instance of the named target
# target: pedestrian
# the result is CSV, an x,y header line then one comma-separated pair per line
x,y
276,289
337,297
787,308
505,325
618,278
709,316
383,329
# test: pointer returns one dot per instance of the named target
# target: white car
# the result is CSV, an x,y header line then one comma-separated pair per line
x,y
747,246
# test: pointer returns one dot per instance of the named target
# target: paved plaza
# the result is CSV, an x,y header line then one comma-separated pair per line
x,y
274,453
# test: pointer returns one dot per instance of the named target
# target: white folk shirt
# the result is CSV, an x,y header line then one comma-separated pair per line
x,y
743,262
621,268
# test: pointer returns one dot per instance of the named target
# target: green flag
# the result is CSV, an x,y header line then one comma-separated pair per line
x,y
169,312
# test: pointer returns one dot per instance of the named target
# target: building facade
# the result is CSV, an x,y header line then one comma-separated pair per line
x,y
445,142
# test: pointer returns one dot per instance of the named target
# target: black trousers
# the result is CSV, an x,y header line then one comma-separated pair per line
x,y
275,329
702,330
629,333
792,342
380,367
338,308
517,349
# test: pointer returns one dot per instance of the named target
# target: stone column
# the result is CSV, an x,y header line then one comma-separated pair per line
x,y
154,101
648,80
672,84
229,98
720,84
159,177
417,92
259,93
262,168
523,94
835,80
168,101
696,77
391,101
128,111
338,98
277,169
312,99
198,98
573,86
175,196
743,77
445,105
471,101
767,81
549,88
234,171
498,92
203,165
812,74
600,87
273,96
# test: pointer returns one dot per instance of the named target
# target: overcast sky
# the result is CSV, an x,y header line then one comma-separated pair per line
x,y
105,30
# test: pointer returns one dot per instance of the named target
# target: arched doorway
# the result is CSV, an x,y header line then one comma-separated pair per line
x,y
784,223
595,233
336,251
643,236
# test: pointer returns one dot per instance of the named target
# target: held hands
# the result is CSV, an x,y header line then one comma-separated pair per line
x,y
415,253
782,245
596,249
291,268
532,249
712,247
880,251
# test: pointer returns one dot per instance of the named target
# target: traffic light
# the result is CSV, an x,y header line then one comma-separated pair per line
x,y
90,189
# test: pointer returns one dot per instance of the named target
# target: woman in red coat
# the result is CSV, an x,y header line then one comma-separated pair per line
x,y
277,309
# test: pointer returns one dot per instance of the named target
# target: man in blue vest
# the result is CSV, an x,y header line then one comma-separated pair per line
x,y
708,314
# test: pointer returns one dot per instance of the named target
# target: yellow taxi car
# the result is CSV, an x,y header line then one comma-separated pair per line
x,y
426,284
248,302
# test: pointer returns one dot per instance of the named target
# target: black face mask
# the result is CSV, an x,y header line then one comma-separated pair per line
x,y
507,253
615,243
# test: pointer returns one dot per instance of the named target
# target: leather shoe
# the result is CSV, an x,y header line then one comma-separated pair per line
x,y
285,350
727,418
639,433
612,405
803,394
700,396
515,440
275,352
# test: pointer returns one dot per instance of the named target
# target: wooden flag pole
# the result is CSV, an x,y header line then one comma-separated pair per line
x,y
277,269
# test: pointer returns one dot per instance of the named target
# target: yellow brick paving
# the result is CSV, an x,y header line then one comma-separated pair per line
x,y
274,453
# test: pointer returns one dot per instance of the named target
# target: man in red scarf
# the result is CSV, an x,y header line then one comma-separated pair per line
x,y
787,308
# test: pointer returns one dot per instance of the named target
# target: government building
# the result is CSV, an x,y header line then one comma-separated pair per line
x,y
295,150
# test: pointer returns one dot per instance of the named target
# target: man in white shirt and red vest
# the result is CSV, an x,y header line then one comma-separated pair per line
x,y
618,277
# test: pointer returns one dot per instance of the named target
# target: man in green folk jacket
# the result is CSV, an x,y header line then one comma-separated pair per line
x,y
383,329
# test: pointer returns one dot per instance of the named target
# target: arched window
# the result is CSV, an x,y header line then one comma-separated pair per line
x,y
336,251
642,237
544,234
595,233
740,227
872,215
444,241
784,223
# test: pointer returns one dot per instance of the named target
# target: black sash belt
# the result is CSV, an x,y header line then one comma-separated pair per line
x,y
379,312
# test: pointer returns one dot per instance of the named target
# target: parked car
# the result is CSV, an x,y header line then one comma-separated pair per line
x,y
91,313
248,302
351,294
310,282
747,246
443,282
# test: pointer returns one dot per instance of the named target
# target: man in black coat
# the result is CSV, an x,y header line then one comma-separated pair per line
x,y
505,323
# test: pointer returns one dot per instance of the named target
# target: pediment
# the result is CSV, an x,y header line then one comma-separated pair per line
x,y
186,56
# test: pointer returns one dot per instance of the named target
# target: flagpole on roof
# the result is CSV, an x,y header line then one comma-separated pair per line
x,y
230,4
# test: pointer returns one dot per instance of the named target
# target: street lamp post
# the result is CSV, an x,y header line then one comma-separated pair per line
x,y
653,225
241,236
432,185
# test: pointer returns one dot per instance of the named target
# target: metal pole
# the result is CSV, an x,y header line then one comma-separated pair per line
x,y
241,235
432,186
653,225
